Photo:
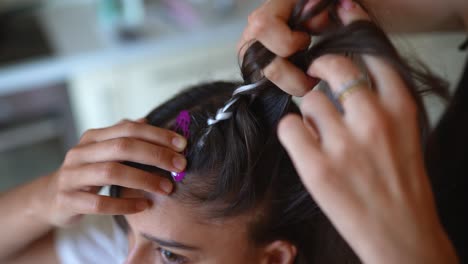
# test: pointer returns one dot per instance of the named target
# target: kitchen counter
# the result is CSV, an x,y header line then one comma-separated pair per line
x,y
79,48
36,73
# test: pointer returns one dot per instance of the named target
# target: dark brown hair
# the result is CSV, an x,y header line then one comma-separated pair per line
x,y
238,166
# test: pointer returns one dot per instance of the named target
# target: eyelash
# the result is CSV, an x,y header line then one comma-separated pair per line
x,y
178,258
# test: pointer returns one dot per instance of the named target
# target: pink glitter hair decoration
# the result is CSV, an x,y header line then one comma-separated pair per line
x,y
182,126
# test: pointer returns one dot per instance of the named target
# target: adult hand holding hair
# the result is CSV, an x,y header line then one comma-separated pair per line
x,y
59,199
365,167
268,25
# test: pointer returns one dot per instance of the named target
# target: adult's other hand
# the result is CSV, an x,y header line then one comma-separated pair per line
x,y
365,167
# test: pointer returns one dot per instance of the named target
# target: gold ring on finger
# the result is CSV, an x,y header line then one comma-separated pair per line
x,y
351,87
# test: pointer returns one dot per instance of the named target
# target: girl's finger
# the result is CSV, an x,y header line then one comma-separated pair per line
x,y
289,78
127,149
142,131
114,173
88,203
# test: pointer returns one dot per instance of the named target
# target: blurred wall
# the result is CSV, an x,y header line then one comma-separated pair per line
x,y
440,52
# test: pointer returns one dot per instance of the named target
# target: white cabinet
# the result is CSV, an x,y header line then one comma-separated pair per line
x,y
92,96
104,96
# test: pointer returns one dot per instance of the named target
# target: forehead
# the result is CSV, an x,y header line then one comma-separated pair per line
x,y
170,219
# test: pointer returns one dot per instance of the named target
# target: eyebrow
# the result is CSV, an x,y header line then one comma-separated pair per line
x,y
169,243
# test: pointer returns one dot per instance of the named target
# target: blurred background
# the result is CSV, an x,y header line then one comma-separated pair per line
x,y
70,65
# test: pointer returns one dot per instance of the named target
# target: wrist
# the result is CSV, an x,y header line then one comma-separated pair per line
x,y
39,202
433,248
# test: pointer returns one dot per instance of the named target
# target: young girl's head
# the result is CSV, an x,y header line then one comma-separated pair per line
x,y
241,200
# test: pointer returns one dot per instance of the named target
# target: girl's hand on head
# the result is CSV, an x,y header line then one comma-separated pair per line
x,y
95,162
365,167
268,25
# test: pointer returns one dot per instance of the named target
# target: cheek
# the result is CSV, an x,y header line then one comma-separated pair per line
x,y
236,252
239,258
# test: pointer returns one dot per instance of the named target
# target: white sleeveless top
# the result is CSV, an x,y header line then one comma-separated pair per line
x,y
95,240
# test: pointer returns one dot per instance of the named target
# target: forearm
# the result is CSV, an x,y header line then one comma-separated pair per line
x,y
21,222
419,15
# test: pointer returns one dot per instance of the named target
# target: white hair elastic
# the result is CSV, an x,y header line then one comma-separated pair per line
x,y
223,113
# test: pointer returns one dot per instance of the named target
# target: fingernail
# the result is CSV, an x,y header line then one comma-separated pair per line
x,y
179,142
142,205
179,163
347,4
310,4
166,186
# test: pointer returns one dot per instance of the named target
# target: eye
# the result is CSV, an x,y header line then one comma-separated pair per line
x,y
171,258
